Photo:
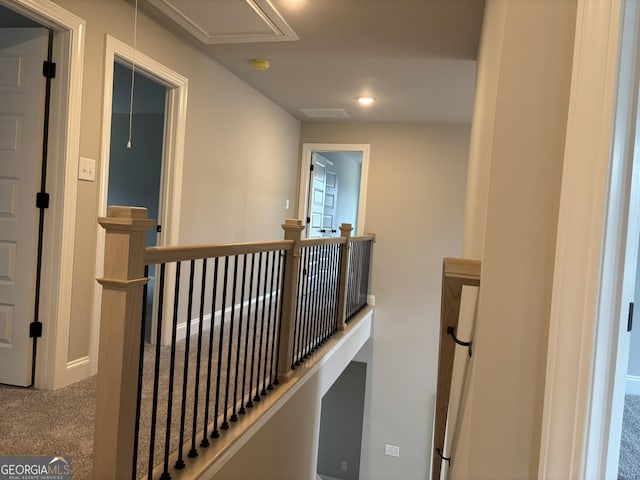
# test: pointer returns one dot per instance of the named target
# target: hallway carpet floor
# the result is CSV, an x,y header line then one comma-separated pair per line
x,y
51,423
629,468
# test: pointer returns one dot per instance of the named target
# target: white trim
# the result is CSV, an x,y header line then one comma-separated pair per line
x,y
585,263
78,370
173,158
69,33
181,329
632,385
305,165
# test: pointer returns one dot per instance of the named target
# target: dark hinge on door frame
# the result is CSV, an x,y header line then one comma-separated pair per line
x,y
630,318
42,202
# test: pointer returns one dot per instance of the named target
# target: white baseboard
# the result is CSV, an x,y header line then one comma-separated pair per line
x,y
326,477
77,370
181,331
633,385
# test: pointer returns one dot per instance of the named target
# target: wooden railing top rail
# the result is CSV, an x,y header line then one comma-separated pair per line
x,y
364,238
176,253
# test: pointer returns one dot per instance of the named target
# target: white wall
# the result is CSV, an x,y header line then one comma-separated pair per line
x,y
415,202
241,153
516,160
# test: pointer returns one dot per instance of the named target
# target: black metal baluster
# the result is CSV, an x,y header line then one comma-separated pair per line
x,y
156,373
269,316
225,423
305,306
223,307
185,375
136,434
331,288
350,281
276,325
269,308
205,441
255,325
234,415
367,271
316,300
297,325
313,304
262,309
324,301
172,363
336,288
281,269
194,427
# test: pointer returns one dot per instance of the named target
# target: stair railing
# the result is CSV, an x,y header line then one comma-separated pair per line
x,y
250,313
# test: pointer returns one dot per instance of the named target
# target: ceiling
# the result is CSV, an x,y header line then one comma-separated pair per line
x,y
416,57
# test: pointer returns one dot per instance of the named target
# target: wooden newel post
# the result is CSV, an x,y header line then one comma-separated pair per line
x,y
292,231
122,286
345,231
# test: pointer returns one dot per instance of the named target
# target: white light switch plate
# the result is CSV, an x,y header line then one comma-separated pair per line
x,y
392,450
87,169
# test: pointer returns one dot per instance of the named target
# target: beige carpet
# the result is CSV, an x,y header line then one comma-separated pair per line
x,y
52,423
57,423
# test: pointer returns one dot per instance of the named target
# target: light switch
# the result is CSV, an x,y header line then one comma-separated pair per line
x,y
392,450
87,169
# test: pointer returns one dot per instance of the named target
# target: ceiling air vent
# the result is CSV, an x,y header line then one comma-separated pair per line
x,y
325,112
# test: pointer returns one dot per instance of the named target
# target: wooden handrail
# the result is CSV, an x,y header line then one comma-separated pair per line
x,y
456,273
176,253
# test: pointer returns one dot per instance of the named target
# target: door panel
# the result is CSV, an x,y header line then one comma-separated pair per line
x,y
21,112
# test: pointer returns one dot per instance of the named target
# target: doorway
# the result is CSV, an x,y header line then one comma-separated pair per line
x,y
135,154
175,86
51,367
333,186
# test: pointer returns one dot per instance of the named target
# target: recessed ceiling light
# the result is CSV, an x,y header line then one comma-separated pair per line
x,y
366,100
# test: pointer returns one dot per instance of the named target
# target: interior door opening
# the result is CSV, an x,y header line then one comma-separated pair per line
x,y
135,172
333,188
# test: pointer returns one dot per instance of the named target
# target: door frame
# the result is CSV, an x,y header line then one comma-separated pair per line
x,y
593,230
305,170
52,368
172,161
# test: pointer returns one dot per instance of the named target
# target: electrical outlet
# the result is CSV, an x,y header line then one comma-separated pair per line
x,y
392,450
344,465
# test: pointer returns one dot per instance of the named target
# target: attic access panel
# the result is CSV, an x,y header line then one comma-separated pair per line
x,y
228,21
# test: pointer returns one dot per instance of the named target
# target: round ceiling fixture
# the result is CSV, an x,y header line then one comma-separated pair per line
x,y
259,64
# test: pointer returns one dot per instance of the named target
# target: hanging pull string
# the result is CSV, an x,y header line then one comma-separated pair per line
x,y
133,71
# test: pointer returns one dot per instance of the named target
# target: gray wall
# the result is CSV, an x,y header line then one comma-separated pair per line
x,y
241,150
415,204
341,424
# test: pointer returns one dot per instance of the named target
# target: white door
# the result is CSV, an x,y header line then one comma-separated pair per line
x,y
22,52
323,192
